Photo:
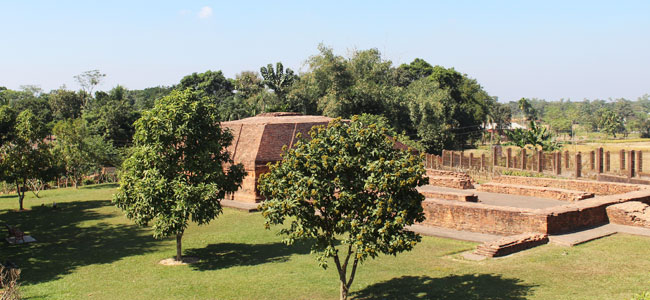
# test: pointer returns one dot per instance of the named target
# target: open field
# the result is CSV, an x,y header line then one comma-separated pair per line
x,y
87,249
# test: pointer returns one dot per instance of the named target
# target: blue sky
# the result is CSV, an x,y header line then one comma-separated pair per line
x,y
542,49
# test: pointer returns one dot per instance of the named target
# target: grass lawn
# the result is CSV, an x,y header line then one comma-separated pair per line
x,y
87,249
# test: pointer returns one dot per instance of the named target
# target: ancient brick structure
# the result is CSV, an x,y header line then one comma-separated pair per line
x,y
259,140
633,213
535,191
598,188
511,244
457,180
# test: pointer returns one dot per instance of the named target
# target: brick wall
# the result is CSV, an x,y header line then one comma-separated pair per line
x,y
595,187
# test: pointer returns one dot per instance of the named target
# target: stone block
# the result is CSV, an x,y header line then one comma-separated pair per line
x,y
511,244
633,213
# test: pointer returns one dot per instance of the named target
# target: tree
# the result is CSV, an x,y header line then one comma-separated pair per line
x,y
279,80
25,155
610,122
349,191
80,151
112,117
175,172
66,104
529,112
88,81
209,84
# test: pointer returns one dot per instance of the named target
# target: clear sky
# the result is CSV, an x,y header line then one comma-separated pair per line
x,y
543,49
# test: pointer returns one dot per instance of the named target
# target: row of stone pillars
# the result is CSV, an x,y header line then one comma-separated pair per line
x,y
470,161
599,161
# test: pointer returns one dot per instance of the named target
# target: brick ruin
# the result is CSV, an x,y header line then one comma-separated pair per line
x,y
522,209
259,140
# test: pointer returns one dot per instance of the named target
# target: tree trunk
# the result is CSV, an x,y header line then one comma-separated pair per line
x,y
21,196
179,236
344,291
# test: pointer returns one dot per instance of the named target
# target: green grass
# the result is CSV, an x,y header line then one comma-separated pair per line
x,y
87,249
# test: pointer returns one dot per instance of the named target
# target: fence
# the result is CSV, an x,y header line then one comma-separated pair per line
x,y
593,164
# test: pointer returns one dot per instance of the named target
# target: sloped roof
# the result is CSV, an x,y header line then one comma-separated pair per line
x,y
259,139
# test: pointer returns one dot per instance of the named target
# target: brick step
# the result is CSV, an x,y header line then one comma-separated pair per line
x,y
434,172
452,182
633,213
511,244
448,195
535,191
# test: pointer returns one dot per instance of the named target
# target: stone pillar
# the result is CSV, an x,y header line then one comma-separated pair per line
x,y
451,158
523,158
578,164
462,158
592,160
630,164
540,161
566,159
482,161
558,163
495,158
622,158
608,165
639,163
509,158
599,160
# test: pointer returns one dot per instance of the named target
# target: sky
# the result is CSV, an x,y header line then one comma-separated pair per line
x,y
536,49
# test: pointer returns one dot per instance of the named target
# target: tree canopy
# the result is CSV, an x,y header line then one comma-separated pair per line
x,y
346,185
175,171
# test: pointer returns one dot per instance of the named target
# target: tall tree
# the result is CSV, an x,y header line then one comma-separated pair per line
x,y
350,191
81,152
88,80
66,104
279,80
26,155
211,84
175,172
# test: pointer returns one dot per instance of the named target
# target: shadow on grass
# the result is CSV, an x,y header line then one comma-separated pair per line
x,y
226,255
70,237
99,186
470,286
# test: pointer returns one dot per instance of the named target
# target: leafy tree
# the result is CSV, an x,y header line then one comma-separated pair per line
x,y
112,117
535,136
80,152
610,122
175,172
527,109
144,99
416,70
66,104
25,155
88,81
279,80
209,84
346,186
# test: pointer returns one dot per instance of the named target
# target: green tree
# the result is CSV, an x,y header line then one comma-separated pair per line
x,y
175,172
66,104
26,155
349,191
211,84
88,80
279,80
610,122
530,114
112,117
81,152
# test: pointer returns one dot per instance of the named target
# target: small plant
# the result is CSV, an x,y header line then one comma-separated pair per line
x,y
9,282
524,174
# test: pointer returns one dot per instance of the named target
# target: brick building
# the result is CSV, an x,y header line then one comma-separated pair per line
x,y
258,140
